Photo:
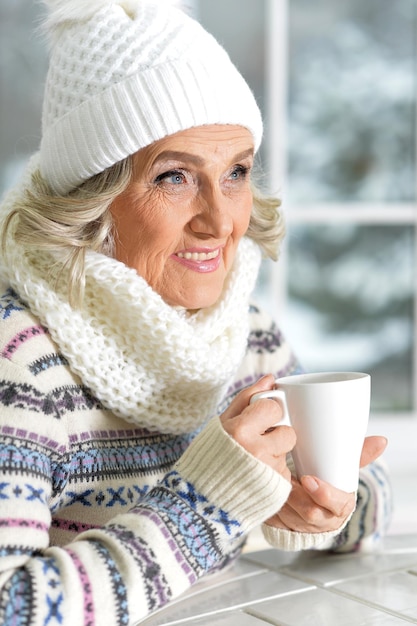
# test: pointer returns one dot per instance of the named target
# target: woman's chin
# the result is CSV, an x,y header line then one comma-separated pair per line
x,y
195,302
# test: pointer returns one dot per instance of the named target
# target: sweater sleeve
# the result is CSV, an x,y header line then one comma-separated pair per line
x,y
188,524
191,521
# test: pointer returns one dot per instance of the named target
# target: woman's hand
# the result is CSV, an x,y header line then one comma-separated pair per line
x,y
253,426
315,506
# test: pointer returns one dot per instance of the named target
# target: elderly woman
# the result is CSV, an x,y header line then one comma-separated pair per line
x,y
131,461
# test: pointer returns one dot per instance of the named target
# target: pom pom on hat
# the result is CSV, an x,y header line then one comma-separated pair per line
x,y
125,73
60,11
72,10
63,10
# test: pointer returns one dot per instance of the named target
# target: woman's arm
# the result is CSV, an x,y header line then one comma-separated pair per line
x,y
188,524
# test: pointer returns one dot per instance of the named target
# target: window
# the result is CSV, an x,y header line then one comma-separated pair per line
x,y
336,81
23,62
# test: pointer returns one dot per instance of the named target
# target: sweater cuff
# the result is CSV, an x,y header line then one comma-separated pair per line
x,y
293,541
230,477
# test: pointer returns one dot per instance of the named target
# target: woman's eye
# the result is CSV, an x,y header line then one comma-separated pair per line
x,y
240,171
173,177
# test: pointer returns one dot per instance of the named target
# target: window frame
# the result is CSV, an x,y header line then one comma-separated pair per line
x,y
276,140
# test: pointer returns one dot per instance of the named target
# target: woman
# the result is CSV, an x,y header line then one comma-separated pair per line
x,y
130,250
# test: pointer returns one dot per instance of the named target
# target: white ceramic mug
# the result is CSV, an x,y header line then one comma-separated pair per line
x,y
329,412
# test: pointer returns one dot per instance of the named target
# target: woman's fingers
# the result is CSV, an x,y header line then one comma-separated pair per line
x,y
254,427
373,447
241,401
314,506
327,497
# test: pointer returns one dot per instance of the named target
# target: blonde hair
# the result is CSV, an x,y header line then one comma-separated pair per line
x,y
69,225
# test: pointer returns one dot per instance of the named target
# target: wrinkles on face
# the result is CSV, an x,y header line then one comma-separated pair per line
x,y
189,192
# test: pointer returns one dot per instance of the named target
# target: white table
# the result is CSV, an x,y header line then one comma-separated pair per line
x,y
305,589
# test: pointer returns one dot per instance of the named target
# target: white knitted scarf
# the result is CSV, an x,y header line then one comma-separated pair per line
x,y
146,361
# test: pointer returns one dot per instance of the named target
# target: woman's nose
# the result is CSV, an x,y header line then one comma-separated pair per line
x,y
213,217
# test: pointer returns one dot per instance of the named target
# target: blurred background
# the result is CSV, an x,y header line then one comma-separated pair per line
x,y
337,85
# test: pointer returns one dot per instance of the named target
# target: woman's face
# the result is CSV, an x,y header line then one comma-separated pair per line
x,y
182,216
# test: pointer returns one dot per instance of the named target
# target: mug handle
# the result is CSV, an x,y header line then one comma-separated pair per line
x,y
280,395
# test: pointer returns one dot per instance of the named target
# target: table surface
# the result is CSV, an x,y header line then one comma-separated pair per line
x,y
310,588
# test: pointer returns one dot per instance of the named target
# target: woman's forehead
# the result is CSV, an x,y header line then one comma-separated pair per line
x,y
198,144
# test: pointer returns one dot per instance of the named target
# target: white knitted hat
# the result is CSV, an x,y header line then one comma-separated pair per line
x,y
126,73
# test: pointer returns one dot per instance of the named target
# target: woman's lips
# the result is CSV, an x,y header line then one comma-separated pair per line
x,y
199,260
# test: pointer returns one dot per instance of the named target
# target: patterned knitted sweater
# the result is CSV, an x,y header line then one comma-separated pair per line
x,y
102,520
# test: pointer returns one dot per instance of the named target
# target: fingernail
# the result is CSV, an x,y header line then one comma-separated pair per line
x,y
309,483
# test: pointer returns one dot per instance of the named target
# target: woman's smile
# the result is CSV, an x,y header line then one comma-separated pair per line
x,y
199,260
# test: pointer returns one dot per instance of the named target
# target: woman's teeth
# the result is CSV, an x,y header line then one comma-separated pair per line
x,y
198,256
